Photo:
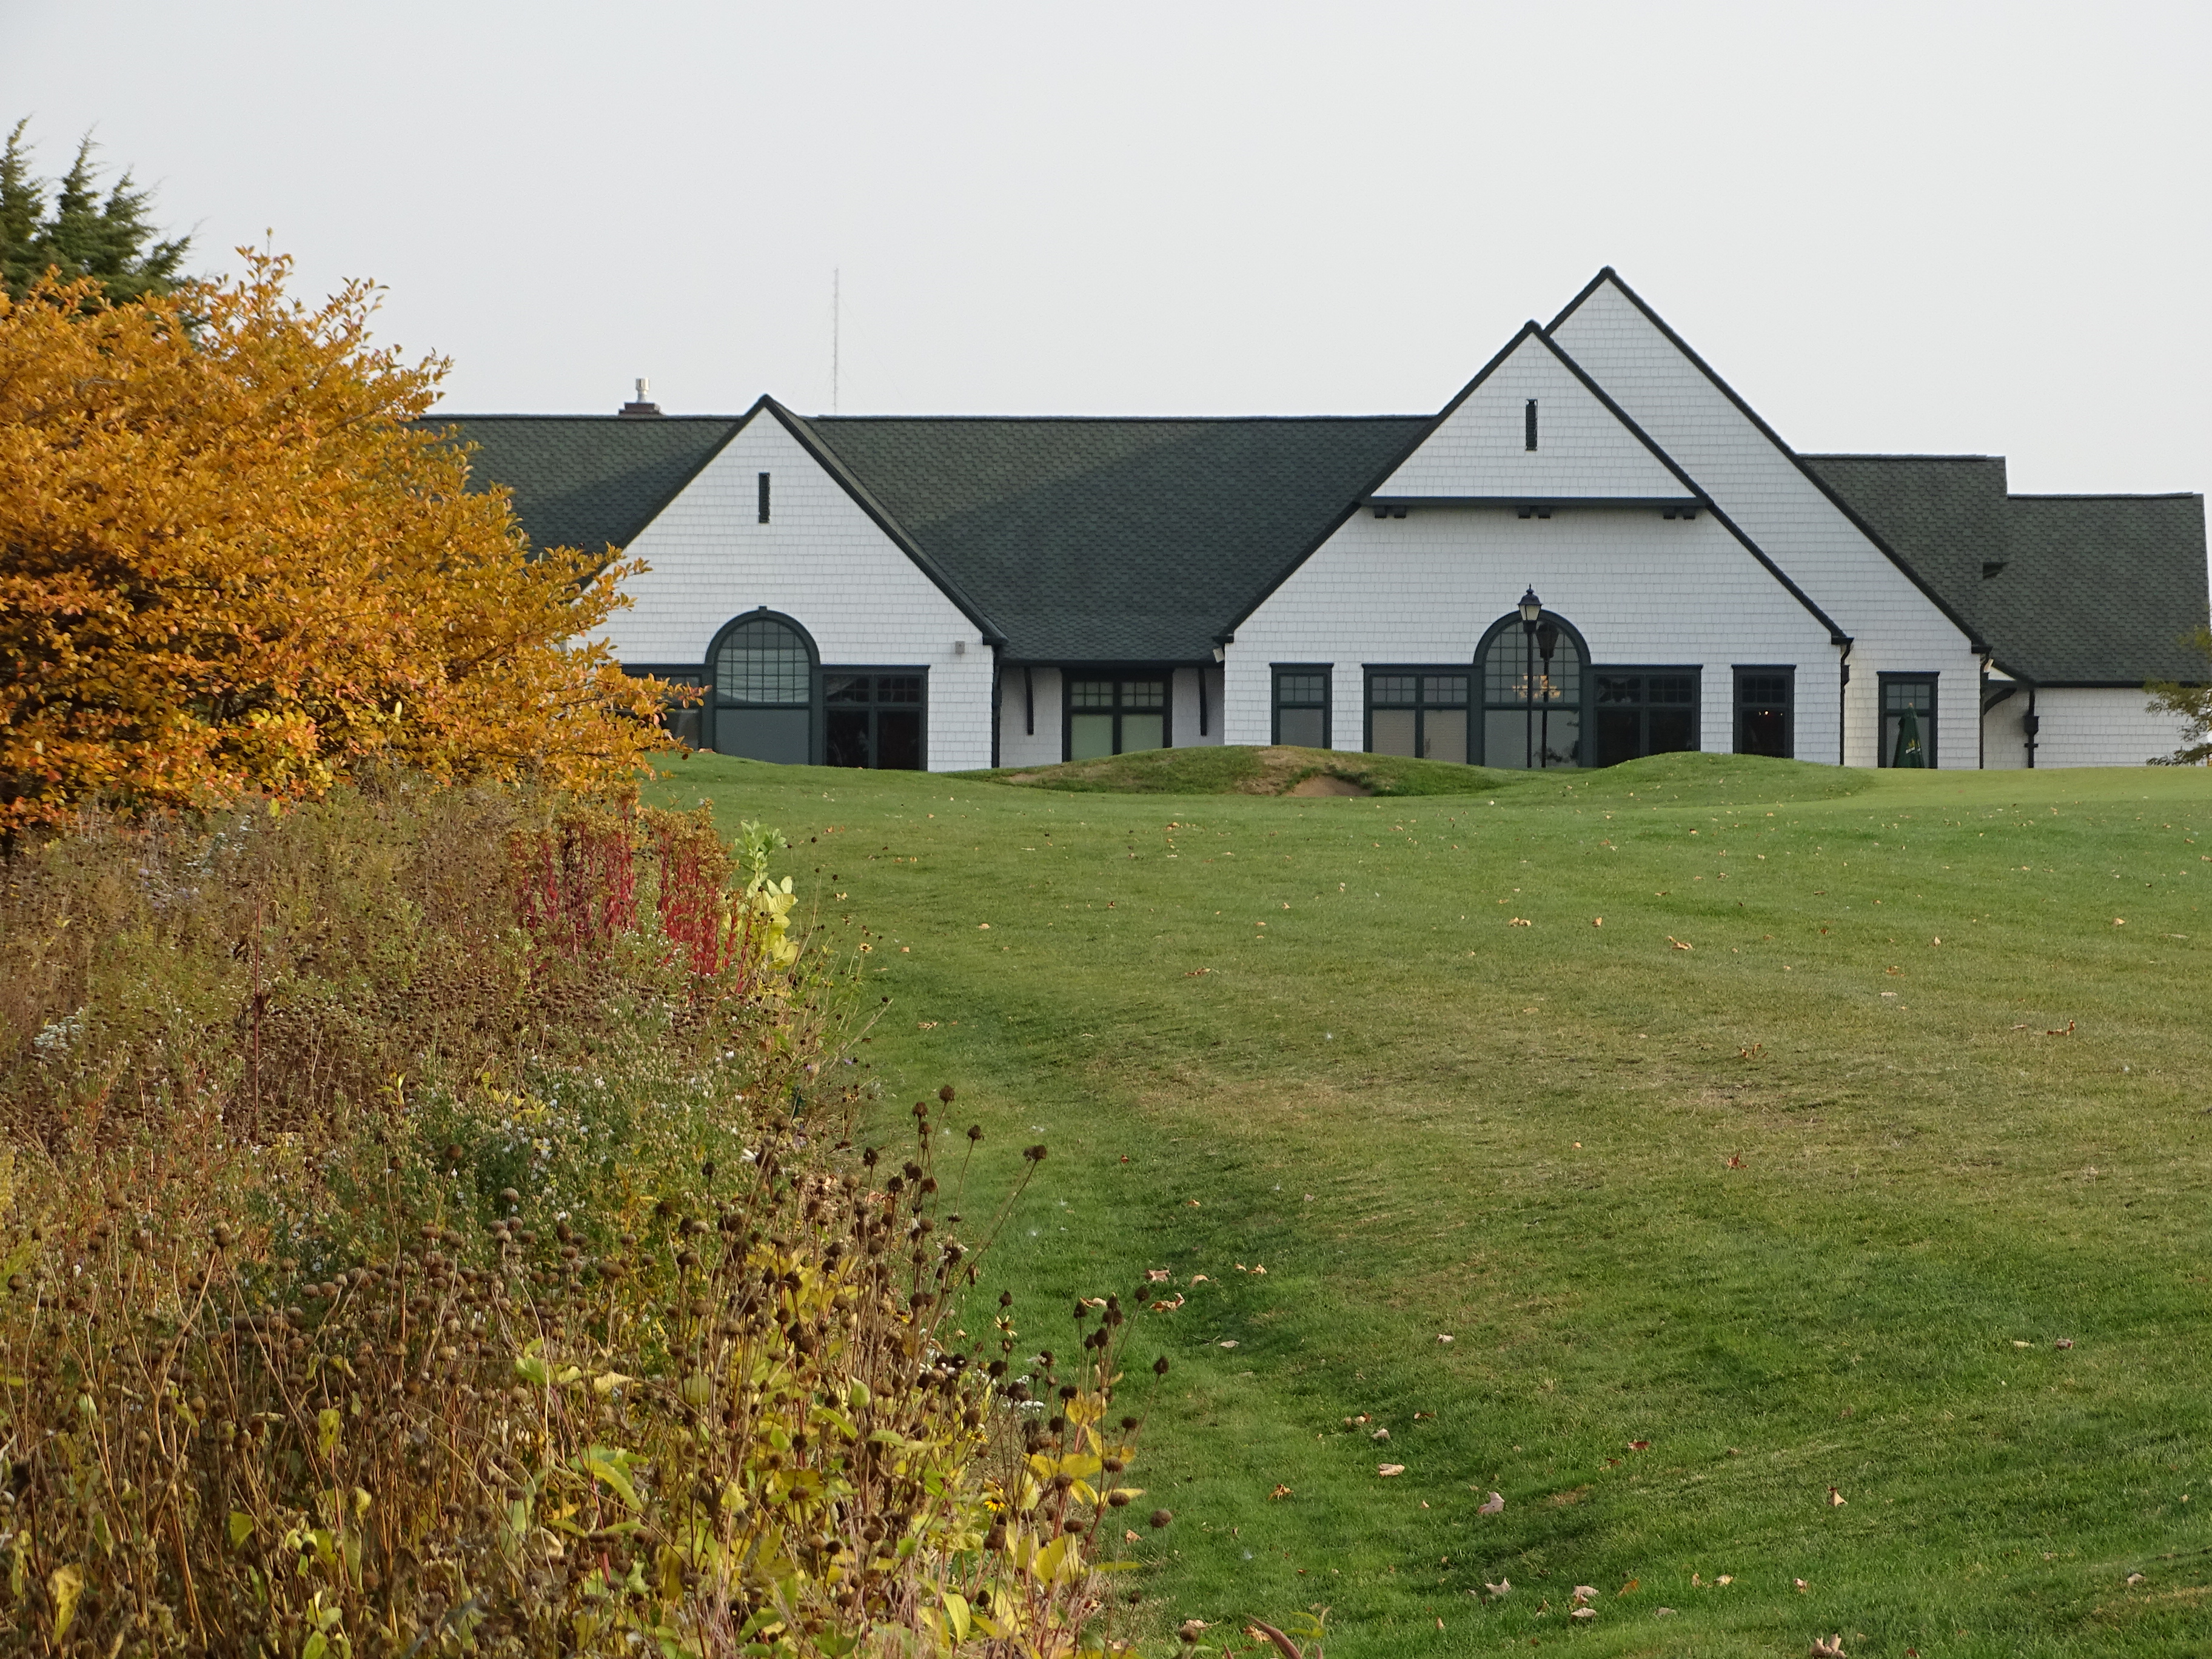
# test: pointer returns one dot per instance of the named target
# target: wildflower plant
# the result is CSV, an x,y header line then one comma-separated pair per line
x,y
592,1331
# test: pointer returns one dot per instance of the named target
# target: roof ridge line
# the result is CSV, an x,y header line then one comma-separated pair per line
x,y
1974,640
1836,635
835,464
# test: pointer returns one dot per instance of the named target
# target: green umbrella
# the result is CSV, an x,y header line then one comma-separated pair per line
x,y
1908,740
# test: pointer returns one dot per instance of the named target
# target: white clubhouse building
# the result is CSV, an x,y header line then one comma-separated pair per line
x,y
961,592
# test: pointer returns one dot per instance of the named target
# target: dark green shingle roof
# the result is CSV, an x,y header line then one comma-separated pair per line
x,y
2086,589
589,481
1104,540
2103,587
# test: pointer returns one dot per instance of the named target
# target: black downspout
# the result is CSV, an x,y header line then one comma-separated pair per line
x,y
2031,723
1028,701
997,707
1843,696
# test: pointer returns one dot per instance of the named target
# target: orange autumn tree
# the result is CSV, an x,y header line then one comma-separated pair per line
x,y
234,561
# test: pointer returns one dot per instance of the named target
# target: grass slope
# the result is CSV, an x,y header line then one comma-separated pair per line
x,y
1806,1205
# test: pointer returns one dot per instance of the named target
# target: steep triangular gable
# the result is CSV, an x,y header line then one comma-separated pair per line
x,y
1585,449
811,441
1740,461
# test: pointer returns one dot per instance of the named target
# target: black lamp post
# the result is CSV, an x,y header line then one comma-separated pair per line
x,y
1532,612
1548,639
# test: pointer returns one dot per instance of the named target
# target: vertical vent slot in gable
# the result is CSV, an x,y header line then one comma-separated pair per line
x,y
763,498
1529,425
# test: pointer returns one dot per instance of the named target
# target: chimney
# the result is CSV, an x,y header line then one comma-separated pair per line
x,y
643,407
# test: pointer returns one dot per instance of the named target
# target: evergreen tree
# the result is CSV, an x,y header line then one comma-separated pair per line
x,y
111,241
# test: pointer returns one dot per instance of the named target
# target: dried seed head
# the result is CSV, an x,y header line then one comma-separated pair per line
x,y
946,1094
1160,1366
974,1132
1162,1517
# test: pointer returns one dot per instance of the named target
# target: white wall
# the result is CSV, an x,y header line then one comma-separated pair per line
x,y
1018,746
820,560
1183,721
1583,449
2004,745
1641,589
2100,727
1896,627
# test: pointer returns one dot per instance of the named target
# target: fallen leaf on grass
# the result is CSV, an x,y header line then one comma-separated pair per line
x,y
1626,1588
2068,1031
1386,1470
1279,1492
1836,1499
1195,972
2063,1342
2017,1343
1803,1587
1735,1162
2135,1578
1583,1613
1168,1307
1520,921
1830,1649
1230,1343
1496,1505
1597,921
1501,1589
1725,1578
1444,1339
1380,1434
1158,1275
1639,1445
1585,1593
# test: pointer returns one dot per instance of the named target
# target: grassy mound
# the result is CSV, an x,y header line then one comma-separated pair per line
x,y
1240,769
1281,770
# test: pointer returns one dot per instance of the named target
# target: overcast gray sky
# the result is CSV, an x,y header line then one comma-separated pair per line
x,y
1925,226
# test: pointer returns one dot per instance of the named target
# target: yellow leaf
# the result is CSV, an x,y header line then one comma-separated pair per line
x,y
65,1585
241,1527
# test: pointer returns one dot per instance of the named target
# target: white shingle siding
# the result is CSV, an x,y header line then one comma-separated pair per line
x,y
820,560
1182,717
2098,726
1896,626
1480,448
1641,589
1017,746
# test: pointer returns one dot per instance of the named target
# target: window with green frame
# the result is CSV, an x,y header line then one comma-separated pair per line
x,y
1421,711
873,720
1302,704
1116,716
1908,719
1644,711
1765,723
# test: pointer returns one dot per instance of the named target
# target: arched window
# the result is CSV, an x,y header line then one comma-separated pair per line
x,y
1533,693
764,670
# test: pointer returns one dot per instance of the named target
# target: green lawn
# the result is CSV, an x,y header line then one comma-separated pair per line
x,y
1809,1204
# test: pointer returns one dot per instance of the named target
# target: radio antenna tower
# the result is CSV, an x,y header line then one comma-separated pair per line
x,y
835,319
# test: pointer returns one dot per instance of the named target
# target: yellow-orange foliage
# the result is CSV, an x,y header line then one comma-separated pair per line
x,y
232,561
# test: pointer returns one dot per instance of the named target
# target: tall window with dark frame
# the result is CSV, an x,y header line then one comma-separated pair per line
x,y
873,721
1645,711
1532,697
1421,713
1908,719
1765,712
763,693
1301,706
1115,717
